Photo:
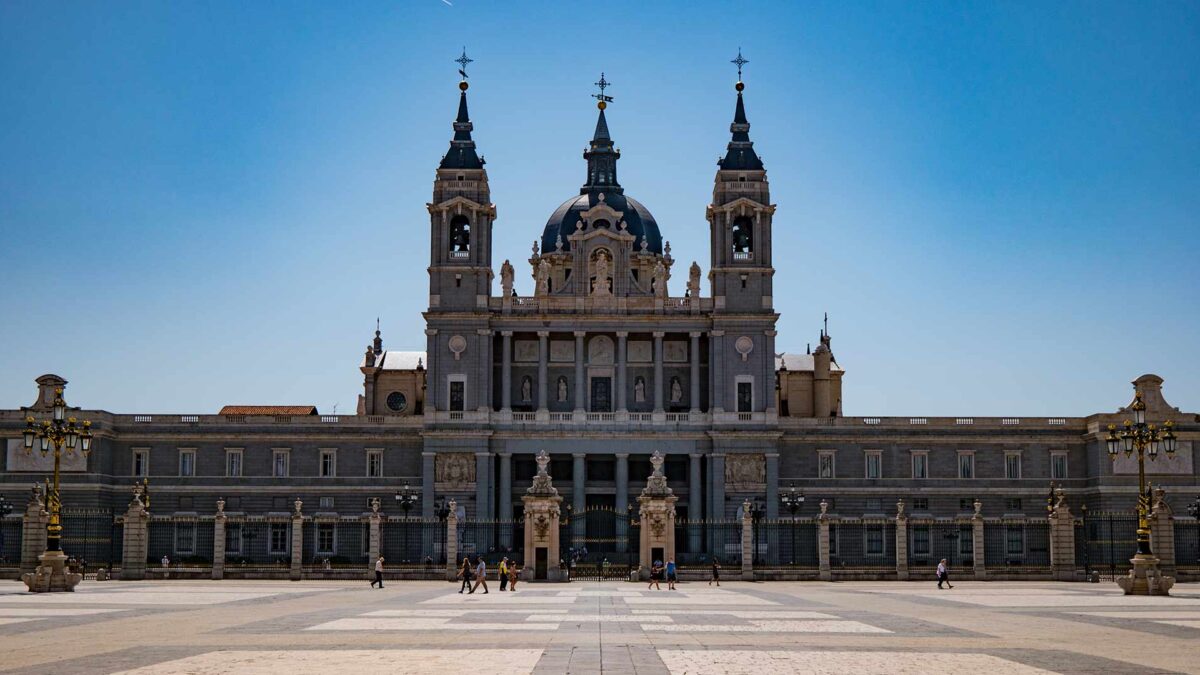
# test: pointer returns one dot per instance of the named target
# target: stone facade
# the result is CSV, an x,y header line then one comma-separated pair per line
x,y
601,367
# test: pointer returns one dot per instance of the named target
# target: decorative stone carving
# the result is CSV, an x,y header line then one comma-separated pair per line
x,y
744,345
506,278
562,389
600,351
694,280
375,505
639,389
660,280
543,277
824,507
603,284
221,507
562,351
297,507
675,351
457,345
746,471
542,512
525,351
542,486
676,391
640,351
978,506
454,469
657,515
900,509
526,389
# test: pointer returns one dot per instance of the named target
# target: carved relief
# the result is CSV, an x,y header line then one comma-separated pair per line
x,y
455,469
562,351
675,351
525,351
639,351
745,470
600,351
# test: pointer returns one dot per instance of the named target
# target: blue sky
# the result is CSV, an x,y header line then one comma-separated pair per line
x,y
210,203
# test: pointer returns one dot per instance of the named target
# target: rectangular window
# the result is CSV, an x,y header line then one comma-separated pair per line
x,y
374,463
458,390
185,538
141,462
745,397
279,538
1012,466
920,504
966,465
187,463
279,463
1012,504
325,538
874,465
874,505
1014,540
328,468
326,502
1058,466
233,463
920,465
233,538
825,465
873,539
920,540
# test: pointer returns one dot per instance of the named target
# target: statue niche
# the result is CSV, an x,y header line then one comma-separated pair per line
x,y
601,279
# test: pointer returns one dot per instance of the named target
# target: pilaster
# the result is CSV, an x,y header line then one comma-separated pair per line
x,y
747,541
297,541
33,531
978,550
452,542
1062,539
134,541
218,558
694,353
824,569
901,542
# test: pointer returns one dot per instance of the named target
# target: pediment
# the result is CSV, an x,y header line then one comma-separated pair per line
x,y
460,204
743,205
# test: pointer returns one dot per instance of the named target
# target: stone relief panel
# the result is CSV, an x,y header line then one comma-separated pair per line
x,y
454,469
745,472
600,351
675,351
34,462
640,351
561,351
525,351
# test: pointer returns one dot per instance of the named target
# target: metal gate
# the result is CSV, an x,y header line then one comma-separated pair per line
x,y
600,544
1109,541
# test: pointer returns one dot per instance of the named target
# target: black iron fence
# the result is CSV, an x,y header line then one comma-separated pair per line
x,y
930,542
258,545
1105,541
1187,544
335,543
786,544
1017,545
493,538
413,542
862,544
90,535
10,542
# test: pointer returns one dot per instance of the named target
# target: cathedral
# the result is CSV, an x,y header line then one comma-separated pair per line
x,y
619,353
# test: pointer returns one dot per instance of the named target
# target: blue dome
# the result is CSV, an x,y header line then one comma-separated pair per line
x,y
638,221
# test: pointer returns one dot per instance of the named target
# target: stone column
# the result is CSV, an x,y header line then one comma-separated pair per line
x,y
768,380
428,476
694,353
432,375
1062,539
374,537
134,541
542,511
695,503
825,570
218,558
772,461
506,373
543,366
621,501
483,401
716,466
747,541
977,542
505,512
658,372
297,540
657,516
716,398
452,542
901,542
580,378
33,531
482,480
578,498
622,342
1162,533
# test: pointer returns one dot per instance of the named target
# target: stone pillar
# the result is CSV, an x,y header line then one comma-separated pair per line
x,y
901,542
483,398
772,476
542,511
825,570
482,480
580,378
621,501
695,503
658,372
506,373
432,377
134,540
428,476
978,550
1062,539
33,531
716,466
297,540
452,542
218,559
50,575
374,537
543,366
769,374
622,342
578,498
1162,533
657,516
694,353
716,397
747,541
505,512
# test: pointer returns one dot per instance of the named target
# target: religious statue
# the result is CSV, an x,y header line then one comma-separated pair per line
x,y
370,357
526,389
639,389
543,277
660,279
676,391
694,280
506,278
603,285
562,389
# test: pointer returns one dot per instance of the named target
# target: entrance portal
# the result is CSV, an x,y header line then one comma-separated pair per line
x,y
601,394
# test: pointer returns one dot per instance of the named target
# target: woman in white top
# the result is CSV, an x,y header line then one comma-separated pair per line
x,y
943,574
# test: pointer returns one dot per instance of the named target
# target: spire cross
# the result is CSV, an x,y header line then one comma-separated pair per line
x,y
603,84
462,61
739,62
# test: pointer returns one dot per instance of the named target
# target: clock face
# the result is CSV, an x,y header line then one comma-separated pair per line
x,y
396,402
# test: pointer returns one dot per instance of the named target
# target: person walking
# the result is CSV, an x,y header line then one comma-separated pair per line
x,y
378,573
514,573
656,571
464,573
943,574
503,572
481,576
716,573
671,572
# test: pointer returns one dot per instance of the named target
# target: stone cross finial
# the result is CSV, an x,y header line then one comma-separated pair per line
x,y
824,507
221,506
978,505
297,505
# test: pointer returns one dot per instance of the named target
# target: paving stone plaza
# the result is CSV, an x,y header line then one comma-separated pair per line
x,y
198,627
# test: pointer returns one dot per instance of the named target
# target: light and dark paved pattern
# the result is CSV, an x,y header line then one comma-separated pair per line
x,y
201,628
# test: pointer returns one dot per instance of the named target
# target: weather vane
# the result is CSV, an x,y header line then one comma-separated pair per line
x,y
462,61
739,62
603,100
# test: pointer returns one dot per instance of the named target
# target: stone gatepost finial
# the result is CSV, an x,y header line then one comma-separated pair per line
x,y
978,508
297,505
375,505
221,506
453,506
900,508
35,498
824,507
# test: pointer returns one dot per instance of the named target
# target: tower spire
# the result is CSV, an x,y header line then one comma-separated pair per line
x,y
740,155
462,153
601,156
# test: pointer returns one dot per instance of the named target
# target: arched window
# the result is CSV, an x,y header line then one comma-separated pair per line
x,y
743,238
460,236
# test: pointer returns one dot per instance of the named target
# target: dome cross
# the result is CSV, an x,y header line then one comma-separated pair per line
x,y
603,100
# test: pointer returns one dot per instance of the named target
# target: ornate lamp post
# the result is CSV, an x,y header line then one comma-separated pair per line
x,y
407,498
55,435
1145,440
793,501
